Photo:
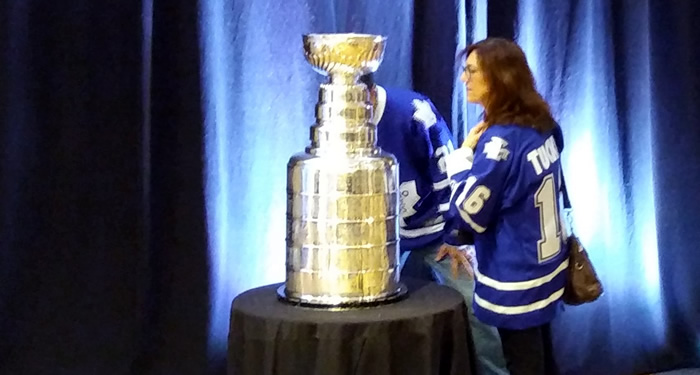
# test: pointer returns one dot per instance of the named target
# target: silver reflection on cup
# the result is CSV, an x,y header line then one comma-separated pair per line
x,y
342,193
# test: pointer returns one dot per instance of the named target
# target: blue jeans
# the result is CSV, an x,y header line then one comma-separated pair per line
x,y
420,263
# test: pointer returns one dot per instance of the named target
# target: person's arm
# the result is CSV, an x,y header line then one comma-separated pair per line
x,y
432,143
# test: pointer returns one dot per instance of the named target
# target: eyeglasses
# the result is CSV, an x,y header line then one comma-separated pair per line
x,y
469,71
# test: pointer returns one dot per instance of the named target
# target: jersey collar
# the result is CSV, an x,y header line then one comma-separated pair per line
x,y
381,103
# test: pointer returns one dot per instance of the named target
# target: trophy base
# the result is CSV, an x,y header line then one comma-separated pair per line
x,y
340,302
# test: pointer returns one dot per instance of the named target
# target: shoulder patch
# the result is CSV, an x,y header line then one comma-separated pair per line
x,y
423,113
496,149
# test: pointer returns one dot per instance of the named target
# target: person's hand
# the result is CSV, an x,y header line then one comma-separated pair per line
x,y
474,135
457,257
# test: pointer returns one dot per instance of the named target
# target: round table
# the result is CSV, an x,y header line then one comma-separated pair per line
x,y
425,333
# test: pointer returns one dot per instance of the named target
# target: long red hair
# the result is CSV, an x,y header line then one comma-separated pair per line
x,y
512,97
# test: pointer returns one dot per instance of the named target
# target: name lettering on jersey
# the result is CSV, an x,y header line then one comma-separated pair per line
x,y
495,149
544,156
424,113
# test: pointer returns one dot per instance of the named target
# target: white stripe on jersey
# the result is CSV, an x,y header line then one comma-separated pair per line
x,y
413,233
465,216
444,207
468,184
522,309
462,196
441,184
459,160
520,285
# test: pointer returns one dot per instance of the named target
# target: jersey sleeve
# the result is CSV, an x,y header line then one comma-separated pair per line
x,y
477,198
433,143
459,164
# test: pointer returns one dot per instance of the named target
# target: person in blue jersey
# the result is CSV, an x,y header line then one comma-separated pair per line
x,y
509,201
409,127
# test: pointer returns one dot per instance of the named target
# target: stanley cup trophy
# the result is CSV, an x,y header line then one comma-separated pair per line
x,y
342,193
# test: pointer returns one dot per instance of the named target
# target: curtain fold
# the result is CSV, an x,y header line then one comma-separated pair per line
x,y
143,155
72,247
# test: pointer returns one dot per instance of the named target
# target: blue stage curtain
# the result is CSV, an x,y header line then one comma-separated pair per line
x,y
143,165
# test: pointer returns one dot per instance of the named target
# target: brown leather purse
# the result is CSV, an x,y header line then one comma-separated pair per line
x,y
582,283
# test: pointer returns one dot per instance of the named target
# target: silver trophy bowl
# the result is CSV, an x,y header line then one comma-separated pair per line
x,y
342,193
344,57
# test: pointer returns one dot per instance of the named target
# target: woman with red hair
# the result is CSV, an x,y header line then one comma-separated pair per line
x,y
508,201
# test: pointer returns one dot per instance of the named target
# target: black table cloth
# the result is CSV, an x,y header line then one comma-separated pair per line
x,y
425,333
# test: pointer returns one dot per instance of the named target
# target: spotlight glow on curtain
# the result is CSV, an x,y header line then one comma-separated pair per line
x,y
259,103
593,63
608,170
259,98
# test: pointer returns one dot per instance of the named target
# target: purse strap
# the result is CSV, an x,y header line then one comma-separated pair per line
x,y
567,211
565,194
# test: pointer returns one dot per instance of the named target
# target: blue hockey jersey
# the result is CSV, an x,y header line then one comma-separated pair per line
x,y
509,200
409,126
